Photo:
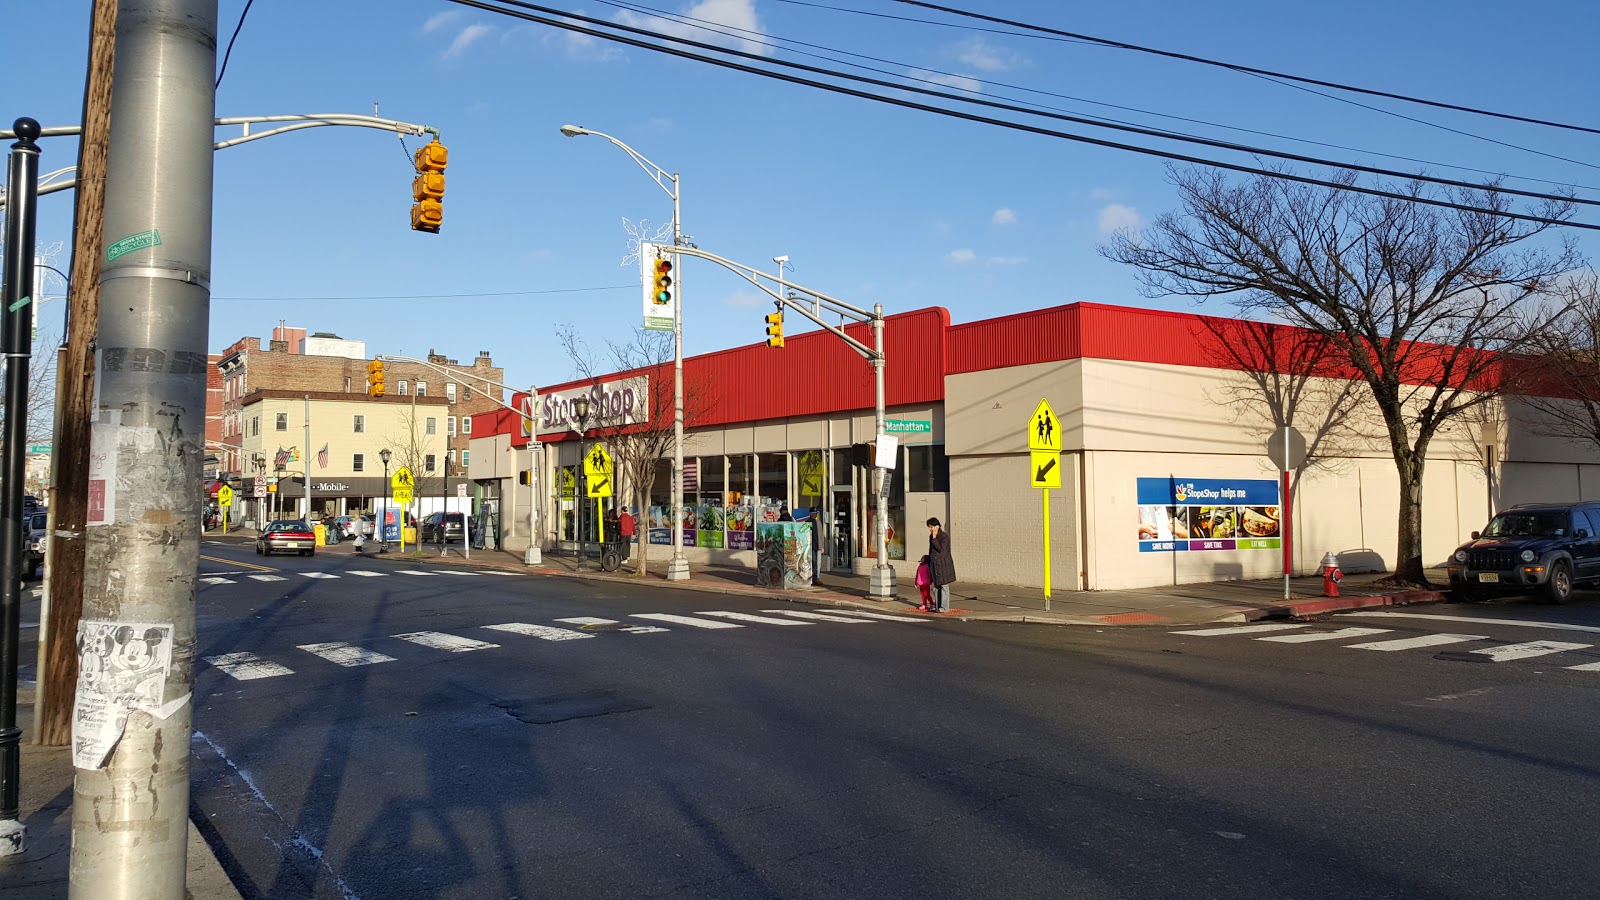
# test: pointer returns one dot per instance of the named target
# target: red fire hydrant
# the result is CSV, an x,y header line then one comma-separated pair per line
x,y
1331,575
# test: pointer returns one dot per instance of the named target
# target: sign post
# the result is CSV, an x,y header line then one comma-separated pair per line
x,y
1287,449
401,485
598,480
1044,464
225,500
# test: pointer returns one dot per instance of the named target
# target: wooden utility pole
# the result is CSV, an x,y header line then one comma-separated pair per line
x,y
69,504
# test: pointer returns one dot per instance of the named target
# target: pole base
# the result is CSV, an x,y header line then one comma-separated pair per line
x,y
882,584
533,556
678,568
13,837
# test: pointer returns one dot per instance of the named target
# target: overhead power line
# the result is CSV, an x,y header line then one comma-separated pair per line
x,y
614,287
1019,126
1123,45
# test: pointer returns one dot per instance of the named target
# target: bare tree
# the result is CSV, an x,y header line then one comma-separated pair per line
x,y
638,448
1561,381
1421,301
411,447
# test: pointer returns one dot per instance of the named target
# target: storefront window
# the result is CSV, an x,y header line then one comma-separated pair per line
x,y
772,478
741,478
713,481
927,469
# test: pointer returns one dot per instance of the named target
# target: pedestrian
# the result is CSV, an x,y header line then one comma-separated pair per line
x,y
626,527
358,524
925,584
941,565
783,514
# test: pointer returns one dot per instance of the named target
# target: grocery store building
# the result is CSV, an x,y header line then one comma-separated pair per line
x,y
1164,474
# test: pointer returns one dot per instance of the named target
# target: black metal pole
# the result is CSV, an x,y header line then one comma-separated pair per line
x,y
22,197
580,493
383,512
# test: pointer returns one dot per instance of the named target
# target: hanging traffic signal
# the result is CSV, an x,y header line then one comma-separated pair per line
x,y
375,378
662,282
427,189
775,328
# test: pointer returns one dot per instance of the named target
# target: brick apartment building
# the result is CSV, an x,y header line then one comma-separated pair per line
x,y
332,371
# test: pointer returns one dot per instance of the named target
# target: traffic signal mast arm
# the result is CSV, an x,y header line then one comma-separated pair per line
x,y
457,377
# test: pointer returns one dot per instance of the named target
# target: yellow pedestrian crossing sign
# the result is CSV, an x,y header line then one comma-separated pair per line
x,y
569,483
1044,429
401,484
224,496
597,471
811,473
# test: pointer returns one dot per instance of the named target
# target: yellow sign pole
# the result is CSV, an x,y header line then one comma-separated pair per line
x,y
1046,495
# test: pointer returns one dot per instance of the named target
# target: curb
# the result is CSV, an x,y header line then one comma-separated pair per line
x,y
1306,608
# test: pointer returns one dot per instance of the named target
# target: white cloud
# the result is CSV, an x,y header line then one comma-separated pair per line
x,y
737,18
744,299
1004,216
1115,217
440,20
466,38
959,82
1102,195
960,257
984,56
1005,260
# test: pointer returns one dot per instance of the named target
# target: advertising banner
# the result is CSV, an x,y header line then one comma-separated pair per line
x,y
741,522
659,527
709,527
1200,514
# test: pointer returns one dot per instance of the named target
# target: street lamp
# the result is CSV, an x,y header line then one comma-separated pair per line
x,y
259,463
383,510
678,566
580,408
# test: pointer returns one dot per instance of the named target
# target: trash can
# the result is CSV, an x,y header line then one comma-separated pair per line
x,y
410,534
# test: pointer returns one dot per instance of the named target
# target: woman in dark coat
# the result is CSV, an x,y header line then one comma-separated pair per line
x,y
941,564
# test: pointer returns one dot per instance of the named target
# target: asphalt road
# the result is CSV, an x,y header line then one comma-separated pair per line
x,y
868,759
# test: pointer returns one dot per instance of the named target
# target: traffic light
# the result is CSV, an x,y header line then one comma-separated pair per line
x,y
775,328
375,378
662,282
427,189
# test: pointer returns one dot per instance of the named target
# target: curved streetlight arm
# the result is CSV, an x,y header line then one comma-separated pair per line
x,y
657,174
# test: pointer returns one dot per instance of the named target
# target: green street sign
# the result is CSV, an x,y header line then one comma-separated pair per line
x,y
38,448
907,426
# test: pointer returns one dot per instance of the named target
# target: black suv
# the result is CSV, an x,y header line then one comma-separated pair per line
x,y
1551,547
442,527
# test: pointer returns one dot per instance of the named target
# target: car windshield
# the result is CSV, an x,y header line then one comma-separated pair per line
x,y
288,525
37,523
1528,524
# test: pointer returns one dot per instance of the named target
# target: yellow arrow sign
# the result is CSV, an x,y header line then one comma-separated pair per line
x,y
1044,429
1045,469
598,486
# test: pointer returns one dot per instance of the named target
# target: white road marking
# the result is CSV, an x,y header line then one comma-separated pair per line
x,y
1243,629
492,572
684,620
455,572
884,616
415,572
1307,637
267,577
819,617
1529,649
542,632
247,666
438,640
365,574
631,629
346,655
214,579
1586,667
1426,640
318,575
747,617
1558,626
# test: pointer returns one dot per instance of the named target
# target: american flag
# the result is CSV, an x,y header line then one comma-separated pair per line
x,y
322,457
281,460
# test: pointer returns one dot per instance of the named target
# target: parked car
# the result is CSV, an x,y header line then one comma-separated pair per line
x,y
287,535
38,541
1545,547
450,525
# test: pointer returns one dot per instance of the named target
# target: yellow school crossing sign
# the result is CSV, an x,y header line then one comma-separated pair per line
x,y
401,484
1044,470
597,471
224,496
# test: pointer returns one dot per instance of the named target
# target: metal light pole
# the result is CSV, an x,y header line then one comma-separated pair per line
x,y
130,805
534,555
22,172
678,566
383,546
580,408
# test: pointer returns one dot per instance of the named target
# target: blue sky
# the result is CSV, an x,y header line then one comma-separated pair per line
x,y
872,203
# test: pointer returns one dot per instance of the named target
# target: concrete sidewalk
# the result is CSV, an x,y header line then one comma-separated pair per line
x,y
1222,601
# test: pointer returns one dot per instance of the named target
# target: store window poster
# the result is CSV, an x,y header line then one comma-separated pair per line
x,y
1207,514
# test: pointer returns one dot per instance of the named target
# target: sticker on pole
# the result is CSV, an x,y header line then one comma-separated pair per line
x,y
141,241
1045,467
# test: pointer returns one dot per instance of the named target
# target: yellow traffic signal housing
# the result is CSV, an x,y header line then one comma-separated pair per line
x,y
427,189
775,329
663,282
375,378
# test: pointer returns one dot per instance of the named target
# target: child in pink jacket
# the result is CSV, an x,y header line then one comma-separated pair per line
x,y
925,584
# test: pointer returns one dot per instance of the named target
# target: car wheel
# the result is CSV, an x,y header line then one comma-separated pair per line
x,y
1468,595
259,551
1559,587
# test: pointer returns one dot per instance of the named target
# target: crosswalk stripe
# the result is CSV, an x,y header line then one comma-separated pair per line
x,y
414,572
246,666
493,572
215,579
457,572
318,575
631,629
1426,640
266,577
1527,650
542,632
1244,629
1307,637
438,640
1586,667
820,617
685,620
884,616
365,574
747,617
346,655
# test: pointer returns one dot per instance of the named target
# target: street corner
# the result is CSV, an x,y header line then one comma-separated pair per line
x,y
1307,608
